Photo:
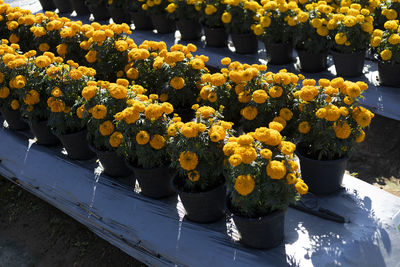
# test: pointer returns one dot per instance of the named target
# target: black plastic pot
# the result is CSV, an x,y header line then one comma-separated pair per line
x,y
47,5
349,65
389,74
112,163
99,12
279,53
63,6
43,134
80,8
142,21
322,176
119,15
263,232
163,24
203,207
13,118
155,182
189,29
312,62
245,43
216,37
77,146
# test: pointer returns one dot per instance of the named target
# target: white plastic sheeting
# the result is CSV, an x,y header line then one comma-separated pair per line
x,y
156,232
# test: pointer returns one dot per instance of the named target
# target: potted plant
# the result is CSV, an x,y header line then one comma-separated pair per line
x,y
214,29
158,13
12,65
238,19
104,101
107,50
144,127
98,8
47,5
118,11
33,98
140,18
66,83
311,37
262,179
187,16
181,76
195,151
350,39
331,121
383,11
386,45
275,29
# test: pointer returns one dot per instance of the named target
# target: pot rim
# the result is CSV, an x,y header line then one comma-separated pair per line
x,y
179,191
69,134
99,151
130,165
273,214
331,51
326,162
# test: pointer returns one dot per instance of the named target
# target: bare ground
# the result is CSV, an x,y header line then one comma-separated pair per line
x,y
33,233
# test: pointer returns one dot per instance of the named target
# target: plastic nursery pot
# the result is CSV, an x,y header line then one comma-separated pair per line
x,y
312,62
112,163
389,74
80,8
203,207
349,65
262,232
63,6
322,176
119,15
163,24
13,118
154,182
99,12
76,145
47,5
43,134
216,37
141,21
245,43
190,29
279,53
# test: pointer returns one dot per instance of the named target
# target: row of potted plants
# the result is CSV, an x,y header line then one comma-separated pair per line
x,y
199,156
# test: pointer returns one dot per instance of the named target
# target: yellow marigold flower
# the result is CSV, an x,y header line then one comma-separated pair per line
x,y
190,130
244,184
229,148
194,176
106,128
32,97
226,17
226,61
245,139
43,47
121,45
332,113
353,90
117,91
391,25
188,160
197,64
276,169
172,129
206,112
291,178
235,160
270,137
386,54
75,74
286,113
14,104
249,113
363,117
275,91
217,79
62,49
42,61
163,97
342,129
360,137
116,139
321,113
280,120
304,127
294,166
4,92
80,112
340,38
57,105
301,187
316,22
89,92
260,96
157,142
217,133
167,108
287,148
258,29
142,137
248,153
177,83
276,126
91,56
348,100
56,92
13,38
308,93
266,153
98,112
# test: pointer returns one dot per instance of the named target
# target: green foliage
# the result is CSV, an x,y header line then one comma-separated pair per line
x,y
184,10
212,20
242,18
